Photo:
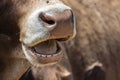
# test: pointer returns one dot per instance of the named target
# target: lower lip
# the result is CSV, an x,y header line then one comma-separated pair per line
x,y
38,59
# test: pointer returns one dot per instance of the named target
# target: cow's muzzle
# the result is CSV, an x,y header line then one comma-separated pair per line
x,y
44,31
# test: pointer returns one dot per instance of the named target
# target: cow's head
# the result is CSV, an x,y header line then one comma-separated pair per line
x,y
42,25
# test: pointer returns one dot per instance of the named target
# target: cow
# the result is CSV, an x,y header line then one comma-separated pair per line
x,y
94,53
30,34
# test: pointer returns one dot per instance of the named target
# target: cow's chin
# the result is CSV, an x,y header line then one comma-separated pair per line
x,y
44,53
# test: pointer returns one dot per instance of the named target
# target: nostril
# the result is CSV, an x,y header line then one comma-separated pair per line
x,y
51,22
47,19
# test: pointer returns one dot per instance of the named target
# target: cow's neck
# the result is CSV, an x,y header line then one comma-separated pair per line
x,y
13,69
12,60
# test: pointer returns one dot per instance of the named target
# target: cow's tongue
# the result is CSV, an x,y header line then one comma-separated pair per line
x,y
47,47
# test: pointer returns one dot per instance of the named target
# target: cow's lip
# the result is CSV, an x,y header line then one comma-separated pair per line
x,y
46,58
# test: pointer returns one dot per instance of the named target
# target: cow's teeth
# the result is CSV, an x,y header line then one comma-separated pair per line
x,y
49,55
38,54
43,55
55,54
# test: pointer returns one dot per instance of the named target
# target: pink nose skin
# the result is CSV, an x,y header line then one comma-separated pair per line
x,y
59,24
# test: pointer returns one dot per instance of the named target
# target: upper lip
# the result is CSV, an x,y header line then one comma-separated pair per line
x,y
35,42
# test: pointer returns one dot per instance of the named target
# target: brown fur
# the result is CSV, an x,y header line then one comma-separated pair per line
x,y
13,19
13,61
94,53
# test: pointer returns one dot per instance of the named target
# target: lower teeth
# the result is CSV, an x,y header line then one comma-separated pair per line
x,y
48,55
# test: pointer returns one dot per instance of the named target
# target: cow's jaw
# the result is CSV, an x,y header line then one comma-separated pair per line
x,y
46,52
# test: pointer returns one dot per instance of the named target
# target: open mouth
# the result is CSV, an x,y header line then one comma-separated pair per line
x,y
49,51
46,49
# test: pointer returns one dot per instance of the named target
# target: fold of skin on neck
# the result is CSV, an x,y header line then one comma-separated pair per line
x,y
12,61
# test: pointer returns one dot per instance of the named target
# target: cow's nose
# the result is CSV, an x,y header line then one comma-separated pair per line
x,y
59,24
53,20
